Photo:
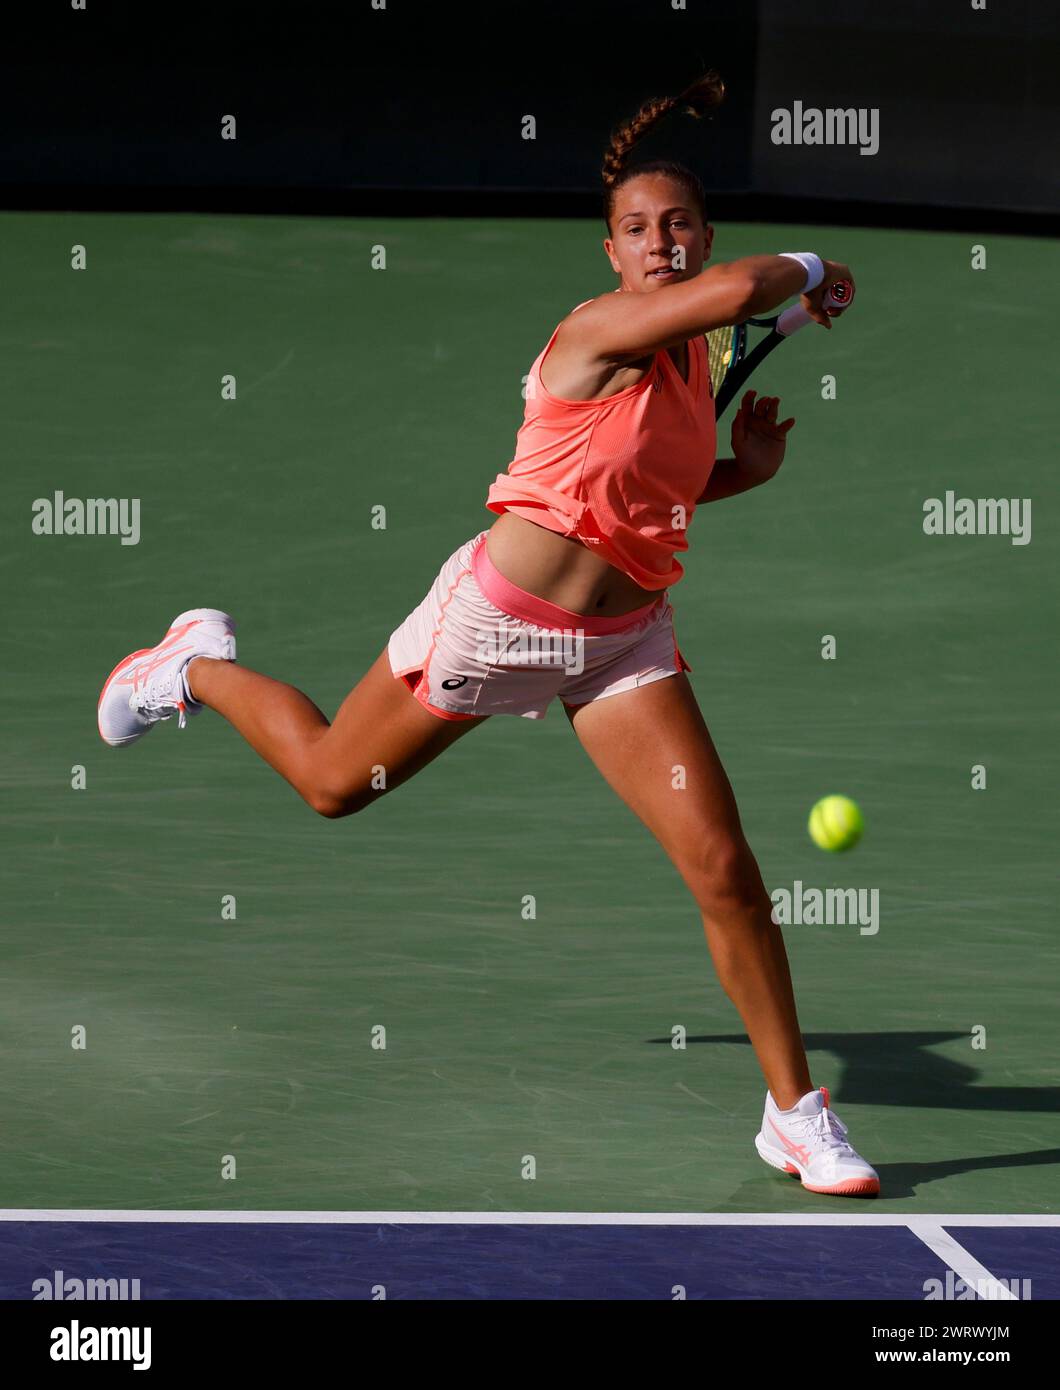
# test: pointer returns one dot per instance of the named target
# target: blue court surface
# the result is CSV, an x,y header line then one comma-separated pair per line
x,y
543,1255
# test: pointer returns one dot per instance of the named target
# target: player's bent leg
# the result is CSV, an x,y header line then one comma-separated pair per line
x,y
380,737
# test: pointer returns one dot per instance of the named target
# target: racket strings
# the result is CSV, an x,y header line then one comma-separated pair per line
x,y
722,352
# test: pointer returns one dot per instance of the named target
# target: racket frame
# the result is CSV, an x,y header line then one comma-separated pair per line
x,y
781,326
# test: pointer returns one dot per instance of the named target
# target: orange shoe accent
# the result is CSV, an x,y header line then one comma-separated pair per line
x,y
144,651
173,635
799,1151
141,673
850,1187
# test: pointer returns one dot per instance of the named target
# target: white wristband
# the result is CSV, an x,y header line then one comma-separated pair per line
x,y
811,263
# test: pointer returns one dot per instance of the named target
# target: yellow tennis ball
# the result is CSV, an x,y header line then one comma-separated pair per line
x,y
836,823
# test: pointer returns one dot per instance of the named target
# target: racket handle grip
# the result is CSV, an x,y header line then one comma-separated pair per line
x,y
837,298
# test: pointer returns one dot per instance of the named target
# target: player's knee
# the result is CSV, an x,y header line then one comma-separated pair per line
x,y
334,805
728,880
327,805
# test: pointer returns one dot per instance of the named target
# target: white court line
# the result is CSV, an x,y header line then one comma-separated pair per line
x,y
917,1223
961,1261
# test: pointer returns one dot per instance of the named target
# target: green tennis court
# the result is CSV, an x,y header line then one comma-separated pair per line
x,y
359,388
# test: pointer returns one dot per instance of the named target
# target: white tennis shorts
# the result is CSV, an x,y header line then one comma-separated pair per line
x,y
479,645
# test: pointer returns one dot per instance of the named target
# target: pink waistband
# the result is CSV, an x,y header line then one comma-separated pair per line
x,y
520,604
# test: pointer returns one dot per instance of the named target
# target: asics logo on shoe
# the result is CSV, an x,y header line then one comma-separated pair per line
x,y
163,652
138,675
454,683
799,1151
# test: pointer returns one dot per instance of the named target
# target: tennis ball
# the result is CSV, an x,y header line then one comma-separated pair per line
x,y
836,823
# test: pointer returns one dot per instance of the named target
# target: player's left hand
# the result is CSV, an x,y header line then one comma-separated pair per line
x,y
757,439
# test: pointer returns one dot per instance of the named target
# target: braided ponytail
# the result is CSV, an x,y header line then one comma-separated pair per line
x,y
704,95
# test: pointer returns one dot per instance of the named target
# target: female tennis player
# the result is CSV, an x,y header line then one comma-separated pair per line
x,y
565,594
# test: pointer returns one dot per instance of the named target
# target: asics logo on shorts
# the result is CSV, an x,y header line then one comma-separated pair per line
x,y
454,683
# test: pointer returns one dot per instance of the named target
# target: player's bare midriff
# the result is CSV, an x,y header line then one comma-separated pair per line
x,y
561,569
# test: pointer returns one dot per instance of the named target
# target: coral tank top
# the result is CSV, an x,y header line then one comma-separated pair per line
x,y
621,475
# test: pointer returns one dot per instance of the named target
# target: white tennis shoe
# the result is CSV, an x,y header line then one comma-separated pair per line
x,y
810,1142
152,684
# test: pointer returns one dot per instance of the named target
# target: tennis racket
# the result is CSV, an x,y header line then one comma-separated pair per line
x,y
731,359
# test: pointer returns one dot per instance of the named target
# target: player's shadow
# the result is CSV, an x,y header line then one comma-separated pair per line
x,y
900,1069
910,1179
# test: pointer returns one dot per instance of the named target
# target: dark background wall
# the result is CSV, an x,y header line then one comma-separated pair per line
x,y
968,99
121,102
